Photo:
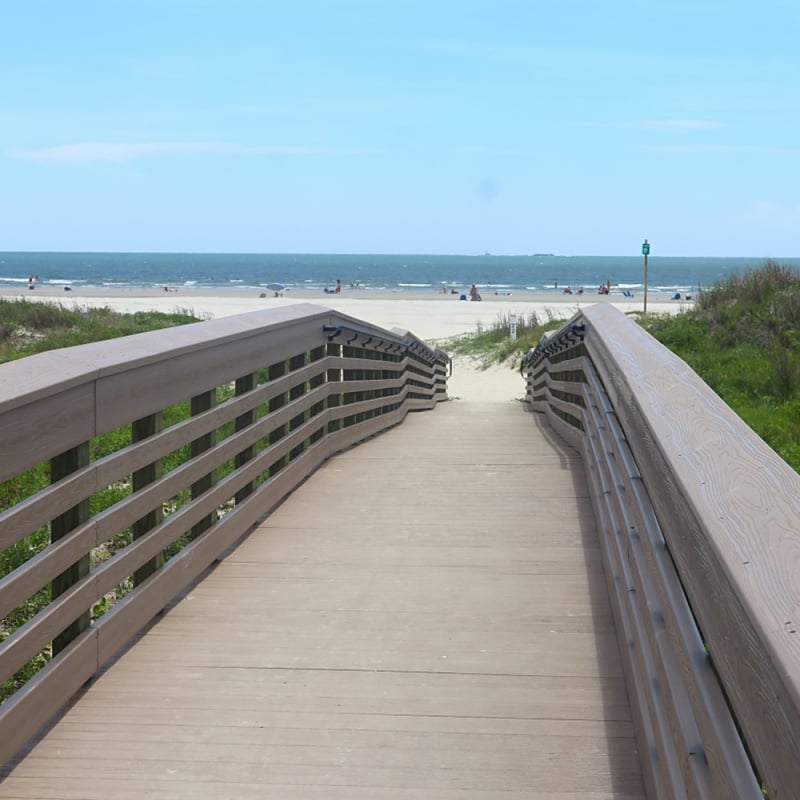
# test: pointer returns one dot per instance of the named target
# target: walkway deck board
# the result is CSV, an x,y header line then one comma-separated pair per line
x,y
426,617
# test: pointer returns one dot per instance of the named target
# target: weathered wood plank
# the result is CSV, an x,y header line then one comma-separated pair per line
x,y
729,508
67,416
452,645
690,504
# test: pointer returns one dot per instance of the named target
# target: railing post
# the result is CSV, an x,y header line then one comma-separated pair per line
x,y
360,375
350,375
199,404
317,354
60,467
244,385
278,401
333,376
142,429
296,362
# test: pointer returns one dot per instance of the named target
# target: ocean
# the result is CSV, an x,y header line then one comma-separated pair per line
x,y
395,273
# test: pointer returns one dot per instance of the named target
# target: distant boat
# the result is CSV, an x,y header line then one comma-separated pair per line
x,y
543,255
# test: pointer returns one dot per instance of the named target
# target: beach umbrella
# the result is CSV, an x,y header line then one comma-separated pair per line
x,y
275,287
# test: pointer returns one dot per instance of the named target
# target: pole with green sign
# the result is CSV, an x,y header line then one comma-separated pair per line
x,y
645,253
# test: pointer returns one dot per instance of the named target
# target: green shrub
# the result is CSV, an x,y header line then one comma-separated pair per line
x,y
742,338
494,344
28,328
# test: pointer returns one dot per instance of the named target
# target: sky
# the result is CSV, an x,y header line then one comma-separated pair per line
x,y
575,127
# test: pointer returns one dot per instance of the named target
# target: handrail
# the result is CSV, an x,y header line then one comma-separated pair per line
x,y
213,424
699,524
398,342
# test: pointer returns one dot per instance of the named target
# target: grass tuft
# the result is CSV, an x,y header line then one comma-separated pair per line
x,y
28,327
494,344
742,338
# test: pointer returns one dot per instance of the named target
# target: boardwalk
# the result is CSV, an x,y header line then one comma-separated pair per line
x,y
426,617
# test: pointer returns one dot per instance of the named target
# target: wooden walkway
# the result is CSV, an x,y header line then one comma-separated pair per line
x,y
426,617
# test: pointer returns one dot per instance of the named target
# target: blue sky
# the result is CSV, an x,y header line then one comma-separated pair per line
x,y
577,127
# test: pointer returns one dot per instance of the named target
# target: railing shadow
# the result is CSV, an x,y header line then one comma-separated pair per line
x,y
624,765
697,520
129,466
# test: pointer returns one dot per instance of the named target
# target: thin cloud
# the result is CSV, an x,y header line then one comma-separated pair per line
x,y
681,124
721,148
121,152
766,212
657,124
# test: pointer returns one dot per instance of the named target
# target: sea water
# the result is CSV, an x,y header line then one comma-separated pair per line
x,y
391,273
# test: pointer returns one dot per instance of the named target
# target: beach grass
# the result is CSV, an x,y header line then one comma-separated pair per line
x,y
742,338
27,327
493,343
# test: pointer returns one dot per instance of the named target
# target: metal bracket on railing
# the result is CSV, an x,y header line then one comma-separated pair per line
x,y
332,330
378,342
567,338
419,349
577,330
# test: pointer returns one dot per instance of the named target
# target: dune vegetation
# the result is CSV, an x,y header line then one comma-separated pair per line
x,y
743,338
28,327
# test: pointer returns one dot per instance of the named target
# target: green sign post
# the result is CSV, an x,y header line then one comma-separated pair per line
x,y
645,253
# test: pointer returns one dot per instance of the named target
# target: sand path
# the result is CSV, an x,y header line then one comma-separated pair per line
x,y
496,384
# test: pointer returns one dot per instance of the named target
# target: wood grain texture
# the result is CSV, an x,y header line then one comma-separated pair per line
x,y
425,616
23,714
730,509
53,403
725,510
67,417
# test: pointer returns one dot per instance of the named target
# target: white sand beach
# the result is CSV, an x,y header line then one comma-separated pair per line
x,y
429,316
432,317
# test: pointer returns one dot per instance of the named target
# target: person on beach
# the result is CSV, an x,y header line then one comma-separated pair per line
x,y
338,289
473,293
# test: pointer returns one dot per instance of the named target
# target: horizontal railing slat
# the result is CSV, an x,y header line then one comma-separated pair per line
x,y
705,516
67,417
308,410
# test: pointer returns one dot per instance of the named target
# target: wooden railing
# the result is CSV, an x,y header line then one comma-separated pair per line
x,y
215,423
700,529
